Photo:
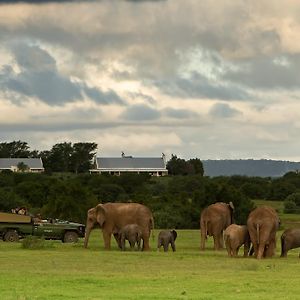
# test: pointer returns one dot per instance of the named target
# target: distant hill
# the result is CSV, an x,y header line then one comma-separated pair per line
x,y
249,167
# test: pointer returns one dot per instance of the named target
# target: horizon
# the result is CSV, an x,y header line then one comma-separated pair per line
x,y
217,81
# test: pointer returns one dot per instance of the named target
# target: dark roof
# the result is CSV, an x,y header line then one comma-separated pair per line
x,y
32,163
130,163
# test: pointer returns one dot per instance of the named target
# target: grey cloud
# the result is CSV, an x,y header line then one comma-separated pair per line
x,y
40,78
268,72
143,96
140,113
108,97
179,113
222,110
199,86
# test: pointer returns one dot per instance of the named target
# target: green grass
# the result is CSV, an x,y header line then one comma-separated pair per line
x,y
71,272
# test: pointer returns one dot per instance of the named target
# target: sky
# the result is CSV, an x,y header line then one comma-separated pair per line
x,y
206,79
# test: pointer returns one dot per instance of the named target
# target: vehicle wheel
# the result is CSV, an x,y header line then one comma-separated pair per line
x,y
70,237
11,236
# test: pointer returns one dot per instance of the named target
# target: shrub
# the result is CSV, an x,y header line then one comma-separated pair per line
x,y
35,242
292,204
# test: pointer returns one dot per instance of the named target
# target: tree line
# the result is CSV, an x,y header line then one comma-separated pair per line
x,y
176,201
62,157
78,158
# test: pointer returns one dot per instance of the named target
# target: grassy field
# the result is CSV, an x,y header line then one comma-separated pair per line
x,y
71,272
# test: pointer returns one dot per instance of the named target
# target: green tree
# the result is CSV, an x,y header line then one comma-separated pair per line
x,y
22,167
16,149
82,155
58,159
197,165
292,204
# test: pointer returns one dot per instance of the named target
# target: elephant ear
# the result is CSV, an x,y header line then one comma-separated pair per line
x,y
101,214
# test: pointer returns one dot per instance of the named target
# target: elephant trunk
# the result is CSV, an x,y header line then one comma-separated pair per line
x,y
87,235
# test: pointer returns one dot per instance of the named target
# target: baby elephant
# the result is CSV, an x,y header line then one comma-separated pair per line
x,y
235,236
290,239
132,233
165,238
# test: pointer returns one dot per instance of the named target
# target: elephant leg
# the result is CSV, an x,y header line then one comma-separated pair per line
x,y
261,250
106,238
221,240
132,243
116,236
166,247
138,242
203,238
235,252
216,242
173,246
146,246
227,243
123,242
270,250
246,248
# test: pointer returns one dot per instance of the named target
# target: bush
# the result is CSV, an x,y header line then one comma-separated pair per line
x,y
36,243
292,204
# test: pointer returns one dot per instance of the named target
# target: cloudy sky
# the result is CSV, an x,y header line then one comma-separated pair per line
x,y
207,79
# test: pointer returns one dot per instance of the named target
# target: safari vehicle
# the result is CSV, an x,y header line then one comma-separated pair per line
x,y
15,226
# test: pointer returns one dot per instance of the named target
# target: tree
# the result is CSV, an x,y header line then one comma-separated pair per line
x,y
16,149
197,165
22,167
82,155
58,159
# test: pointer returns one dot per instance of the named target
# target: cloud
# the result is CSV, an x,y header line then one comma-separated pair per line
x,y
140,112
222,110
39,77
198,86
268,72
179,113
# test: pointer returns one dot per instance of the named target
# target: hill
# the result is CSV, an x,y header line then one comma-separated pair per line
x,y
249,167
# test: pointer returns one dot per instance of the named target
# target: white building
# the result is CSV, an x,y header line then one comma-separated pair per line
x,y
155,166
34,165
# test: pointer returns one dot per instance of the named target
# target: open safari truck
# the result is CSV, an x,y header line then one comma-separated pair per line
x,y
15,226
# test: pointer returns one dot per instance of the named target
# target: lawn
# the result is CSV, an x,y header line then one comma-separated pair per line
x,y
72,272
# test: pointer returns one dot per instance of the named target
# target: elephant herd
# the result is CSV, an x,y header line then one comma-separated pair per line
x,y
134,222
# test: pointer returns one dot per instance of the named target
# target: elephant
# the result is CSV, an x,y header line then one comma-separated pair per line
x,y
111,217
213,221
132,233
290,239
235,236
262,224
165,238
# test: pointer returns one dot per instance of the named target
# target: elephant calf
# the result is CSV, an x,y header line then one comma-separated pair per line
x,y
165,238
235,236
290,239
132,233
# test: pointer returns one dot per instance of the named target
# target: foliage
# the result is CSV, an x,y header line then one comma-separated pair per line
x,y
22,167
292,204
36,243
15,149
178,166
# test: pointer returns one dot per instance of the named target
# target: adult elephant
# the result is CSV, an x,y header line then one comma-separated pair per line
x,y
213,221
262,224
112,217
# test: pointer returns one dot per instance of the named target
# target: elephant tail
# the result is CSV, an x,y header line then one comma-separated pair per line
x,y
151,227
257,233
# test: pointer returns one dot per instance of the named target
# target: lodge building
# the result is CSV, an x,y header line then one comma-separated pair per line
x,y
33,165
155,166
